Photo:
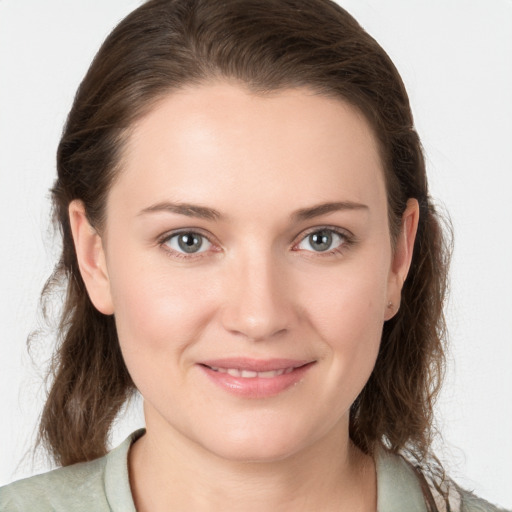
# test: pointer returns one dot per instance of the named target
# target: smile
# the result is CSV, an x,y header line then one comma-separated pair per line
x,y
250,378
251,374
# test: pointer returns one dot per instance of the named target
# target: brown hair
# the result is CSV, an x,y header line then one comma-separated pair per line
x,y
267,45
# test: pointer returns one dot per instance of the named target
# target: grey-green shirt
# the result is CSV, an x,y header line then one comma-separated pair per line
x,y
103,485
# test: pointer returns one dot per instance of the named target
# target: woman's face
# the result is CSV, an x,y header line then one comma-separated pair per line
x,y
247,259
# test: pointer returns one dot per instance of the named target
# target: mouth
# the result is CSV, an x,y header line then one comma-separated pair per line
x,y
251,374
252,378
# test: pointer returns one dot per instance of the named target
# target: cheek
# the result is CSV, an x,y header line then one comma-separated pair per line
x,y
347,307
346,310
159,319
157,311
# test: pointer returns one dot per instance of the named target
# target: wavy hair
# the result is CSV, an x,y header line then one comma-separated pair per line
x,y
266,45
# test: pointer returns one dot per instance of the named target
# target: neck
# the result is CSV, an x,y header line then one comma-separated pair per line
x,y
170,472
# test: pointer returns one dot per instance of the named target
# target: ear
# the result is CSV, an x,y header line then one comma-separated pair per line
x,y
91,258
402,256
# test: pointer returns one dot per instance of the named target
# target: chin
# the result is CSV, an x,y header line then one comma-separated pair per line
x,y
256,452
259,444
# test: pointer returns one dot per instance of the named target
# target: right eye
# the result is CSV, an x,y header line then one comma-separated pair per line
x,y
322,240
188,242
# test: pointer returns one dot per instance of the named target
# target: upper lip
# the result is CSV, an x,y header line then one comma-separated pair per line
x,y
255,365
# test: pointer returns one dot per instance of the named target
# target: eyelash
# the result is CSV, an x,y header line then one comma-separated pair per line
x,y
165,239
348,240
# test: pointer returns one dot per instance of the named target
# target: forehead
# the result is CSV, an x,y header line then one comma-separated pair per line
x,y
222,142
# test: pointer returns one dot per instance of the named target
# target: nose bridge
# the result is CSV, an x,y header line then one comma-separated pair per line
x,y
257,303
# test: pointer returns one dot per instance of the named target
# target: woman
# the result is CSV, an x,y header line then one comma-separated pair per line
x,y
249,242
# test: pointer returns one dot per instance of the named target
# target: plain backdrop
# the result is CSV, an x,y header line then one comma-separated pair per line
x,y
455,57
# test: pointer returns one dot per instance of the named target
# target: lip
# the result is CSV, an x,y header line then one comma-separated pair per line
x,y
288,373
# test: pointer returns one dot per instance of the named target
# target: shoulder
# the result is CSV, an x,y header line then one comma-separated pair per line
x,y
401,486
398,487
471,503
70,488
99,485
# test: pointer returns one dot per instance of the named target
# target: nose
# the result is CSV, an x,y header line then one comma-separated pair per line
x,y
258,301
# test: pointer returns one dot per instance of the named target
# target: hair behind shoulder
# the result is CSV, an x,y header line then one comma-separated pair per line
x,y
266,45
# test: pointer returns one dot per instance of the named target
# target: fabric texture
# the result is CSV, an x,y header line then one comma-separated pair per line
x,y
103,485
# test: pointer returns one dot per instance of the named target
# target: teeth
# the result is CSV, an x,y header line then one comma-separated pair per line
x,y
271,373
250,374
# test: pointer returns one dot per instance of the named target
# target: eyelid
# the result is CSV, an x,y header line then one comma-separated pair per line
x,y
163,239
348,237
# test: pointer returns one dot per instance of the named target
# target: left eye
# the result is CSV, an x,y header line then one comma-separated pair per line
x,y
188,243
321,241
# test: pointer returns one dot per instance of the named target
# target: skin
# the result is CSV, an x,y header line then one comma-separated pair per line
x,y
258,288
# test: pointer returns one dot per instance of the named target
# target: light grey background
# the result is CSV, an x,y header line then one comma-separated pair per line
x,y
456,59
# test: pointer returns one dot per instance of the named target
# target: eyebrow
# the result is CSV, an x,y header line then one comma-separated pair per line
x,y
325,208
204,212
187,209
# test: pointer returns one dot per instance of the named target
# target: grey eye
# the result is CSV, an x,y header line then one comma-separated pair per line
x,y
321,241
188,243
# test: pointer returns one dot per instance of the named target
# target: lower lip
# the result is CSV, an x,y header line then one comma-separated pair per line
x,y
256,387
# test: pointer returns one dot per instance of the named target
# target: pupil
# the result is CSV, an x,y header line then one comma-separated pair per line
x,y
189,242
321,240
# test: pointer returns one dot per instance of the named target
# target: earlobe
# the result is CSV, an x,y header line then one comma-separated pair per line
x,y
402,256
91,258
